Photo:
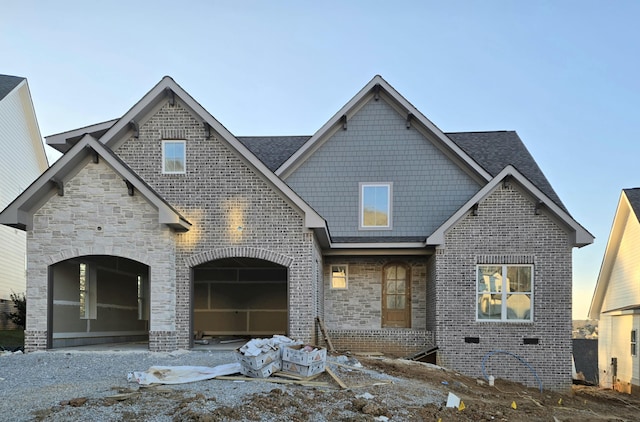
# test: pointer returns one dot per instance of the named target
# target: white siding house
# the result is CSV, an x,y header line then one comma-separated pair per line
x,y
22,160
616,301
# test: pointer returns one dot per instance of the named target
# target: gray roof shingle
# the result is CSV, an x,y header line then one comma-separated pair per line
x,y
8,83
496,149
273,151
633,195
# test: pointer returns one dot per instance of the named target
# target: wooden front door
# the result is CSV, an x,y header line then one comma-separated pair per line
x,y
396,296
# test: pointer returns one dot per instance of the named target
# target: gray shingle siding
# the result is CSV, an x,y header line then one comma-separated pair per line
x,y
377,147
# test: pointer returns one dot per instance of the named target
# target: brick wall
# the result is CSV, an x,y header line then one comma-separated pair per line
x,y
506,229
219,193
353,317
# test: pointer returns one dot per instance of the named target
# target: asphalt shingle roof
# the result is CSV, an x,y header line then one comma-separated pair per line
x,y
497,149
633,195
273,151
8,83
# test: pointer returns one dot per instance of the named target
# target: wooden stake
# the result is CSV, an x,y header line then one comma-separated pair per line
x,y
335,377
323,330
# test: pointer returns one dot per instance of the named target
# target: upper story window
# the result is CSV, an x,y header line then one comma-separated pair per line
x,y
339,277
174,157
505,292
375,205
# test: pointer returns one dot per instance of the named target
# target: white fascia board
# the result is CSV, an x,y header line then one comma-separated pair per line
x,y
158,93
405,251
390,245
623,211
582,236
303,153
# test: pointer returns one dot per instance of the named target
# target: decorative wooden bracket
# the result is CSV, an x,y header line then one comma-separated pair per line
x,y
59,186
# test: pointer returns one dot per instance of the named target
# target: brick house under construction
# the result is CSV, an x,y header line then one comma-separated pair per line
x,y
162,223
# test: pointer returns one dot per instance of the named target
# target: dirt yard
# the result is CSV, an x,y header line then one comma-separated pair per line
x,y
383,389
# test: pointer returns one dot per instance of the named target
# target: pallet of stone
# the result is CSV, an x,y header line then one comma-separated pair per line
x,y
304,354
264,372
258,361
303,370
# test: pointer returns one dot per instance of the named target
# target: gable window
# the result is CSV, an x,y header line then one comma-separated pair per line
x,y
375,205
505,292
634,342
339,277
174,157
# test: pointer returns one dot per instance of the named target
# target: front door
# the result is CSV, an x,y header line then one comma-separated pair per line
x,y
396,296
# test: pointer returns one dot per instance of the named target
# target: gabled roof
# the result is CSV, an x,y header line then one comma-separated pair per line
x,y
8,83
581,236
496,149
167,89
65,140
377,88
628,207
20,212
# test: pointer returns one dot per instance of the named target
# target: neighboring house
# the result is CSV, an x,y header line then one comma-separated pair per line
x,y
162,224
23,159
616,300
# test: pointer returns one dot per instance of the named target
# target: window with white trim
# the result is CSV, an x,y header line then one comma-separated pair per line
x,y
339,277
375,205
174,157
504,292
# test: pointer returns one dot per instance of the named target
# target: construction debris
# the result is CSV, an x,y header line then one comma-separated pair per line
x,y
181,374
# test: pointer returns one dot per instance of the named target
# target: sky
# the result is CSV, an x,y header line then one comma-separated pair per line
x,y
564,74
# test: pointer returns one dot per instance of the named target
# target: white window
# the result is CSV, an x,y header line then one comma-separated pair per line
x,y
88,308
339,277
375,205
174,157
505,292
634,342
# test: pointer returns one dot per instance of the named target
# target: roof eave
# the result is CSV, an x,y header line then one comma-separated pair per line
x,y
581,236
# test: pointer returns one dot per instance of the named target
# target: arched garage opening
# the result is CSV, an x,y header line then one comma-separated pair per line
x,y
240,297
98,299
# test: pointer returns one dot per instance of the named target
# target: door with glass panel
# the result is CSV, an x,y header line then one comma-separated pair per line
x,y
396,296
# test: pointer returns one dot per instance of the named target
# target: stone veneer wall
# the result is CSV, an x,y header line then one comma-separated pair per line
x,y
506,230
219,193
96,216
353,317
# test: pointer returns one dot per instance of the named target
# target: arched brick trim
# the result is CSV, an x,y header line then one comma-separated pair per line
x,y
239,251
69,253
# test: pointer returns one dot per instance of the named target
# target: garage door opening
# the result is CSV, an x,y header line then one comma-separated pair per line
x,y
98,299
240,297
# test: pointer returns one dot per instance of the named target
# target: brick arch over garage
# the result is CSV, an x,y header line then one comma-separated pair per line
x,y
69,253
239,252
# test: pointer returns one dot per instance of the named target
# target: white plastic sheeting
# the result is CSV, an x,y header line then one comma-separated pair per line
x,y
181,374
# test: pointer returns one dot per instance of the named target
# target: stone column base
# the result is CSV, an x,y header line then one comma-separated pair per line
x,y
35,340
162,341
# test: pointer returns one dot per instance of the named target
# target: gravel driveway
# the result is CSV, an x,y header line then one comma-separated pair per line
x,y
68,385
38,381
